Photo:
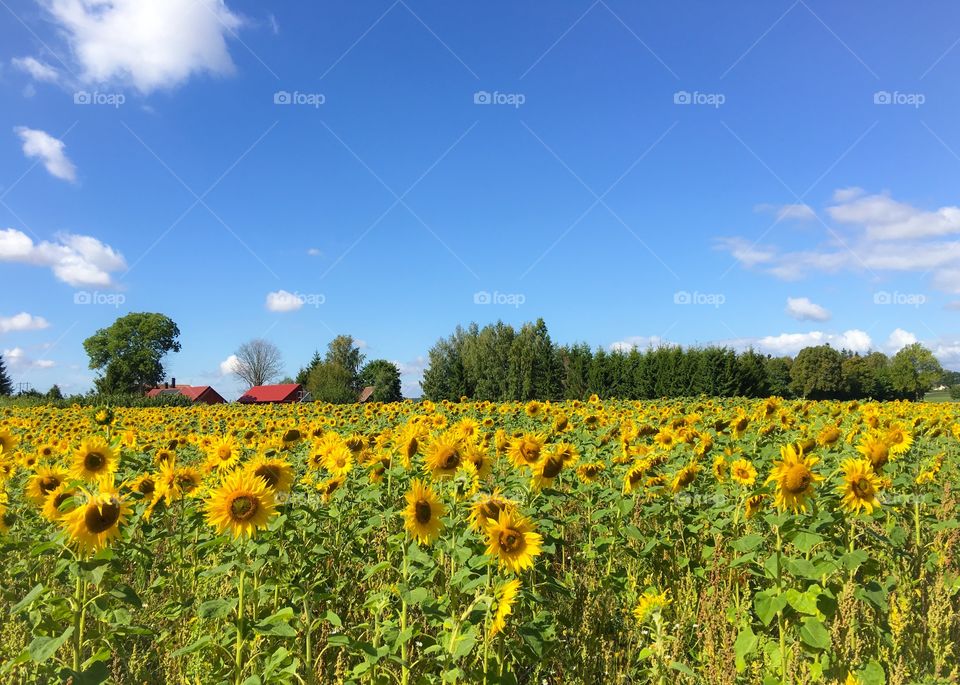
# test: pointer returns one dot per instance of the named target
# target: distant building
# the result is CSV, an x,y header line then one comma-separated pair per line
x,y
274,394
198,394
366,394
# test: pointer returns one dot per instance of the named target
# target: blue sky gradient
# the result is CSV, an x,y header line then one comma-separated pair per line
x,y
806,193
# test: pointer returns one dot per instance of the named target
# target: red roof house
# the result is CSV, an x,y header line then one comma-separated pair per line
x,y
272,394
198,394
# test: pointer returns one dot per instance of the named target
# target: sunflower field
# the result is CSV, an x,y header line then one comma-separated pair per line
x,y
680,541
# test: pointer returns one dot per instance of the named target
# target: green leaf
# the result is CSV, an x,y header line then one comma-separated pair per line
x,y
32,595
189,649
814,633
215,608
277,624
42,648
805,541
804,602
748,543
872,674
744,646
677,666
767,604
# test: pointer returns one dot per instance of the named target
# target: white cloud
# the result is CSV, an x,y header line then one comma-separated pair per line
x,y
41,145
152,44
802,309
78,260
796,211
847,194
229,365
314,252
791,343
282,301
18,360
639,342
873,234
745,252
22,322
37,69
900,339
886,219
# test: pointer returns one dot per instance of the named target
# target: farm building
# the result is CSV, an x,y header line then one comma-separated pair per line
x,y
198,394
366,395
273,394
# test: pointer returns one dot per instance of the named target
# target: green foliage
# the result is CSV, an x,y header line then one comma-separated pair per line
x,y
336,378
955,392
129,352
914,370
817,373
384,376
6,385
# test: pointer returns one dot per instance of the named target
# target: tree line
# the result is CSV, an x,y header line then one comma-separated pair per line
x,y
500,363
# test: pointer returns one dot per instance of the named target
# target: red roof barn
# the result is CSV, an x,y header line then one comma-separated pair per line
x,y
198,394
271,394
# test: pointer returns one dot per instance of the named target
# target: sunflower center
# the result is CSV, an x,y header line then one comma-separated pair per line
x,y
512,541
879,454
146,487
491,510
862,488
412,447
530,451
553,467
449,458
292,435
100,519
797,479
48,484
224,452
60,499
94,462
271,474
243,508
423,512
686,477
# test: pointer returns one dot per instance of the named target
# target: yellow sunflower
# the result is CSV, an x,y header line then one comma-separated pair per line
x,y
743,472
512,541
241,504
859,487
59,502
487,509
505,597
753,505
8,442
443,456
95,522
651,604
338,460
684,477
587,473
525,450
275,472
423,512
94,460
794,479
555,458
43,482
223,454
876,449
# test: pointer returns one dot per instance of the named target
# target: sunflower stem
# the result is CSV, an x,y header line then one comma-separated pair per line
x,y
238,658
405,645
780,623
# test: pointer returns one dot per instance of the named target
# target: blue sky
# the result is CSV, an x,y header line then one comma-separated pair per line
x,y
773,174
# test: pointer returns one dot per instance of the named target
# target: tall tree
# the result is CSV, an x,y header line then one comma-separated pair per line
x,y
914,370
384,376
304,373
817,373
344,352
129,353
258,362
333,383
6,385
